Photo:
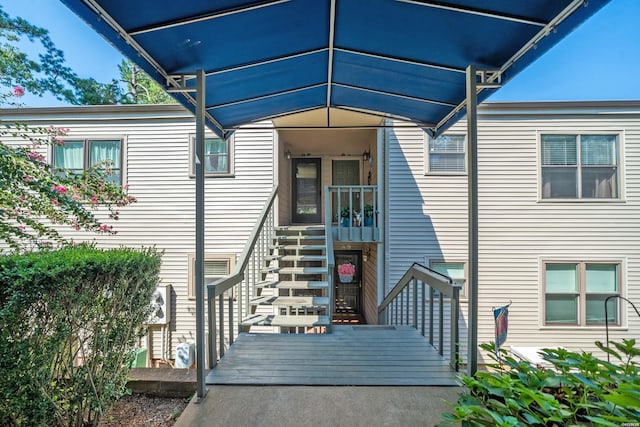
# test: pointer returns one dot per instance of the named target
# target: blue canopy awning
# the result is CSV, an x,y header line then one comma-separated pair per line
x,y
401,58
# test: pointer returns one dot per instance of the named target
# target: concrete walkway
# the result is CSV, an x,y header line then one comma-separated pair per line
x,y
282,406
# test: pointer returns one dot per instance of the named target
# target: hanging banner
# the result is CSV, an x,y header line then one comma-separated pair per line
x,y
501,317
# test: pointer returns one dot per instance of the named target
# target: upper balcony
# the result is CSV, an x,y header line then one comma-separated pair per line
x,y
352,212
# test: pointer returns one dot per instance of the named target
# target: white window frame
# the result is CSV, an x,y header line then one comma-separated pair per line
x,y
86,155
230,259
230,157
581,322
427,153
579,199
464,290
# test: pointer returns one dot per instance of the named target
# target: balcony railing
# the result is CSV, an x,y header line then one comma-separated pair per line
x,y
354,212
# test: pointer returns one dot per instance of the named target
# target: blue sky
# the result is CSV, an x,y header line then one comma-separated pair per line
x,y
600,60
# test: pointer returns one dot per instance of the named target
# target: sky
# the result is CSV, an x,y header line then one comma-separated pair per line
x,y
598,61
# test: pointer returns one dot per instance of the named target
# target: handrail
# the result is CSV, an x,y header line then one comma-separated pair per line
x,y
396,308
252,259
606,317
328,237
225,283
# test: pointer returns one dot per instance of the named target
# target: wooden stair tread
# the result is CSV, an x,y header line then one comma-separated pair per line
x,y
302,258
302,270
286,321
299,247
299,284
291,301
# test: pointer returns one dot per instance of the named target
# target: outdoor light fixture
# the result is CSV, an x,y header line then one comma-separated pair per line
x,y
366,156
288,155
365,253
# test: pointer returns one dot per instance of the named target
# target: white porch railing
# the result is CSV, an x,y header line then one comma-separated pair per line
x,y
237,288
355,211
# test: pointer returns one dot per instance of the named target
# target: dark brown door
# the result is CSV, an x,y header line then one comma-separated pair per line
x,y
306,195
348,287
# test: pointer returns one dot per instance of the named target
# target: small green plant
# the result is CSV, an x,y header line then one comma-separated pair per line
x,y
580,390
345,212
368,211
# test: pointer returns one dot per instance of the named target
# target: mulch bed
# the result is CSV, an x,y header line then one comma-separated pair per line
x,y
139,410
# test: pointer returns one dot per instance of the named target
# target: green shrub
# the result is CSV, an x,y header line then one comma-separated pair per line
x,y
69,320
580,390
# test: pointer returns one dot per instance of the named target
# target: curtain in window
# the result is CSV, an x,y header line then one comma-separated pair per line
x,y
216,155
601,282
69,156
106,151
561,299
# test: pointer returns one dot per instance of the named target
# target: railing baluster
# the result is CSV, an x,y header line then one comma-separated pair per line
x,y
423,302
441,325
415,303
230,296
431,296
401,307
454,329
213,356
221,321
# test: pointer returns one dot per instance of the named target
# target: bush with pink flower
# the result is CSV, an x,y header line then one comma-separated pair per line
x,y
34,200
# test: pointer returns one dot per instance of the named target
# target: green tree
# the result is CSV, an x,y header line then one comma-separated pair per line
x,y
141,89
47,73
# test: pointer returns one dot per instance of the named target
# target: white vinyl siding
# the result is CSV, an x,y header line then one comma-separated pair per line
x,y
428,216
156,140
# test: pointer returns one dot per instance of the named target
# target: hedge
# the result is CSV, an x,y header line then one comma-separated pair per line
x,y
69,322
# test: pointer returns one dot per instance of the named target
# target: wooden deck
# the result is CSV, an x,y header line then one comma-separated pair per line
x,y
350,356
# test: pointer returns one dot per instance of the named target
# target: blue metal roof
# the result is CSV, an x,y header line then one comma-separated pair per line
x,y
401,58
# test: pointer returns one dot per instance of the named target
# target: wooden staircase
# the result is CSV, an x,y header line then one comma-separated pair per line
x,y
293,295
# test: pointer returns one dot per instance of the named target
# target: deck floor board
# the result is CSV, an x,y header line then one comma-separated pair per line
x,y
351,355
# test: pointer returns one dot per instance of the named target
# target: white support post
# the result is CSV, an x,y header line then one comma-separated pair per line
x,y
201,389
472,171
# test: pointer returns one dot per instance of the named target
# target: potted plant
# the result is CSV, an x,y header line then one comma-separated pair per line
x,y
368,215
345,214
346,272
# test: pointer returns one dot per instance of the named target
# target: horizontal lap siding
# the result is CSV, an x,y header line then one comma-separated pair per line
x,y
164,214
428,219
516,230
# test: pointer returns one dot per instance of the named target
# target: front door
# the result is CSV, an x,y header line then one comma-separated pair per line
x,y
348,285
306,191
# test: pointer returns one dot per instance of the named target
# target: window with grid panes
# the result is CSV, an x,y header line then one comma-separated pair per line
x,y
580,167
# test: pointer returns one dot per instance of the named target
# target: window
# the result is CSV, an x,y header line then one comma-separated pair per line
x,y
580,166
455,270
446,154
574,292
81,154
215,267
218,157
